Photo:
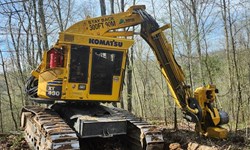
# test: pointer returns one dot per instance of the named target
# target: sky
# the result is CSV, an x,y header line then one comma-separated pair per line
x,y
215,38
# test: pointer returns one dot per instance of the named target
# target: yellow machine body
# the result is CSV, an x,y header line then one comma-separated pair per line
x,y
88,64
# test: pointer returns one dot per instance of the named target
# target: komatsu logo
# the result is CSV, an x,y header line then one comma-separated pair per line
x,y
106,42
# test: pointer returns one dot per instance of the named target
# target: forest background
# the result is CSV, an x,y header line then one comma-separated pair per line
x,y
211,41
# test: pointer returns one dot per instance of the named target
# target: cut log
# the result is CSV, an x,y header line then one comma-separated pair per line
x,y
196,146
175,146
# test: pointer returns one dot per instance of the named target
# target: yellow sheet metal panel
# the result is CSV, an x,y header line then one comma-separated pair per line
x,y
47,77
97,41
217,132
103,24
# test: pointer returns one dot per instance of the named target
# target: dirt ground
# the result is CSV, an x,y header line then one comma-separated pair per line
x,y
13,142
176,139
188,139
191,141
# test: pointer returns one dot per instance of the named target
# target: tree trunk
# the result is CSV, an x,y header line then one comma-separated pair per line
x,y
122,5
8,92
129,73
60,22
56,9
172,43
231,96
238,83
152,4
39,54
43,25
16,45
1,115
112,6
190,65
197,38
139,97
129,81
122,100
28,34
207,56
103,7
129,70
164,101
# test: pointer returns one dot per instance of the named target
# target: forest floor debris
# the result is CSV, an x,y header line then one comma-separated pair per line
x,y
181,139
191,141
13,142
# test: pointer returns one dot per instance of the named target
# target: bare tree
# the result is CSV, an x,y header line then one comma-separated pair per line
x,y
112,6
234,26
238,83
122,10
62,17
122,5
103,7
172,42
8,92
43,25
139,97
193,10
1,114
183,32
130,61
39,53
16,45
56,8
224,13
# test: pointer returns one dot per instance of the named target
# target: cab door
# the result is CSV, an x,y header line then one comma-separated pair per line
x,y
105,65
78,72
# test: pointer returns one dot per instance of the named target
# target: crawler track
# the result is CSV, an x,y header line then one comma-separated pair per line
x,y
44,129
140,134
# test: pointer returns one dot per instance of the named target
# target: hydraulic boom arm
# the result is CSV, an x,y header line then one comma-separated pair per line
x,y
152,34
197,107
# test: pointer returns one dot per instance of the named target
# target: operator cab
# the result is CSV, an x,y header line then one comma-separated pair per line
x,y
106,66
84,68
